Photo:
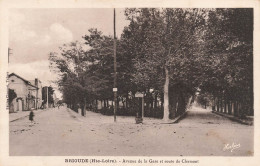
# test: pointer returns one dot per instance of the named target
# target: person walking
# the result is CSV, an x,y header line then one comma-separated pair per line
x,y
31,115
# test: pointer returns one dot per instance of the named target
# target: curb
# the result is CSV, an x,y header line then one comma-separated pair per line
x,y
245,122
177,119
19,118
26,116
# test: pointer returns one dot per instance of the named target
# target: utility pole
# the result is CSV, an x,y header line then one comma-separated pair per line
x,y
9,53
36,83
47,98
115,85
142,107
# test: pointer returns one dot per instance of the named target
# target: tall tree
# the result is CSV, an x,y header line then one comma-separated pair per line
x,y
163,39
229,60
71,64
50,94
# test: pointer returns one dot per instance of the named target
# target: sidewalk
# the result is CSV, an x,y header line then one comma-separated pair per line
x,y
23,114
248,121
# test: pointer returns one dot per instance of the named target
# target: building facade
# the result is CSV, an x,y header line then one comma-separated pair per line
x,y
28,93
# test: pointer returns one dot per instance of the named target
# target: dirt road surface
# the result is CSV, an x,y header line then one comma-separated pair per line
x,y
62,132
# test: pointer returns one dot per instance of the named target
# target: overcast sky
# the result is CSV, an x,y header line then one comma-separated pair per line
x,y
34,33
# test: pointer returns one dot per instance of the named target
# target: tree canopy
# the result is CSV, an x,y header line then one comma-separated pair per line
x,y
175,51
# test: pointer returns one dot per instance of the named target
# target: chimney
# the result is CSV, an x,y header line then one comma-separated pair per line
x,y
36,82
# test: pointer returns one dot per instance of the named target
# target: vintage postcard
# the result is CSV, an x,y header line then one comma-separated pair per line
x,y
129,83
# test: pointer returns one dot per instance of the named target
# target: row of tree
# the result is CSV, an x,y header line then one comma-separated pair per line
x,y
167,54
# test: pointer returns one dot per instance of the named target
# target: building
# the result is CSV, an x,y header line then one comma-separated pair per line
x,y
28,93
38,84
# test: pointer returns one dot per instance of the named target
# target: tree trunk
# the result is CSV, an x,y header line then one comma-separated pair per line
x,y
177,108
218,105
126,100
96,105
155,101
238,109
221,105
152,102
117,102
235,108
105,104
225,106
123,103
166,96
84,107
229,107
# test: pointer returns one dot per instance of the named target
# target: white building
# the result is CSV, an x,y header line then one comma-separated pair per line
x,y
29,93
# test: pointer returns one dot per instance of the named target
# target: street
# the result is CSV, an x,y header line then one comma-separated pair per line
x,y
62,132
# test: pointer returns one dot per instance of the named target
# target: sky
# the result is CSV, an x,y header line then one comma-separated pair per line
x,y
34,33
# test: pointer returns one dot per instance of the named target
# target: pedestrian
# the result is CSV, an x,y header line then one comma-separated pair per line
x,y
31,115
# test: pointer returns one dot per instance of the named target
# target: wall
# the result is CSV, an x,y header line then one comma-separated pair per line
x,y
22,90
18,86
39,94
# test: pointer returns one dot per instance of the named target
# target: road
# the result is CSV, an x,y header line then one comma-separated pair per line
x,y
62,132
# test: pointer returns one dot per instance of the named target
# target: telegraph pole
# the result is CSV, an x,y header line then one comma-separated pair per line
x,y
36,83
115,85
47,98
9,53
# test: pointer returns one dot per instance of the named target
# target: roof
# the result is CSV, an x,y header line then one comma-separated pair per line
x,y
26,81
32,82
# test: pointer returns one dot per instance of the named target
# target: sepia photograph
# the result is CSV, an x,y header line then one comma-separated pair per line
x,y
130,82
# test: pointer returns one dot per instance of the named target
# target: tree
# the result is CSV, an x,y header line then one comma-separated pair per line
x,y
163,39
101,68
229,60
71,64
11,95
173,51
85,75
50,94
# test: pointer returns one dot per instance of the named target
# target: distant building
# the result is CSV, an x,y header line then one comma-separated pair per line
x,y
36,82
28,93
